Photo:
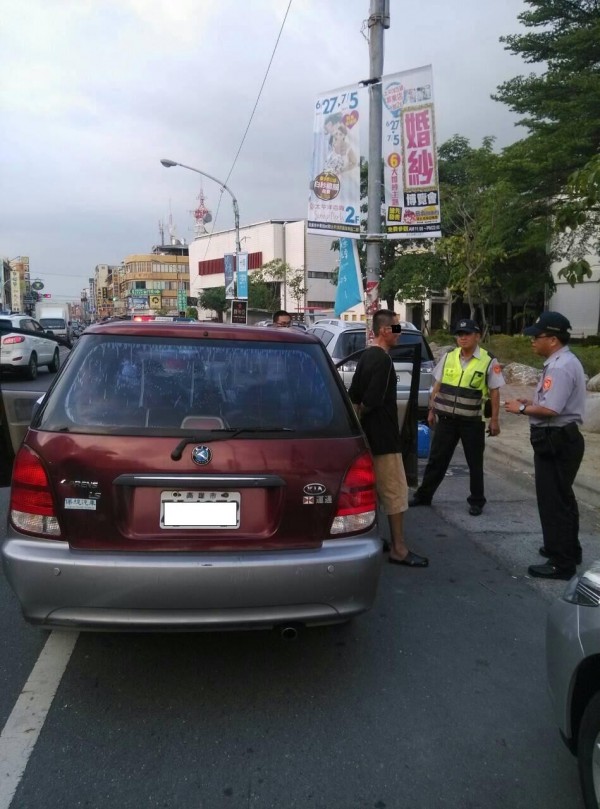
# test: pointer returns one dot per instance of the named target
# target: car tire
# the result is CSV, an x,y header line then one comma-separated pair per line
x,y
55,364
588,753
31,371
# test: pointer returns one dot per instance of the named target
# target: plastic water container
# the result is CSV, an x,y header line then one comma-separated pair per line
x,y
423,441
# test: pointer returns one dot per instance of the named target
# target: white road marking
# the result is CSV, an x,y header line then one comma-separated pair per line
x,y
23,726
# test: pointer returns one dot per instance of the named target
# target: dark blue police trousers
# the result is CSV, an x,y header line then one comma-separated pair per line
x,y
558,452
448,432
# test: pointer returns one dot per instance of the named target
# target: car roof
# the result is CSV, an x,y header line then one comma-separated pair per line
x,y
14,318
218,331
346,325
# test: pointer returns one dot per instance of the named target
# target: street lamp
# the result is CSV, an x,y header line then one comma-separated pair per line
x,y
236,211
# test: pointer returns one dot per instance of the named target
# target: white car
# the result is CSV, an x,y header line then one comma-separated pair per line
x,y
24,346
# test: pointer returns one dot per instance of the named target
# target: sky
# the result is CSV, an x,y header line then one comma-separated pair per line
x,y
93,93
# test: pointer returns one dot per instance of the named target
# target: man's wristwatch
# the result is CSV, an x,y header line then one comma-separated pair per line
x,y
522,409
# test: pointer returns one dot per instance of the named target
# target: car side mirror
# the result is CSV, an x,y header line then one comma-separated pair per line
x,y
49,332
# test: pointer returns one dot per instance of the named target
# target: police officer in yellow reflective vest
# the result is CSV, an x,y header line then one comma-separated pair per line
x,y
464,379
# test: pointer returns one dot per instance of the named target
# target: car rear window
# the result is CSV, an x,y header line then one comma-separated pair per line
x,y
349,342
408,338
138,385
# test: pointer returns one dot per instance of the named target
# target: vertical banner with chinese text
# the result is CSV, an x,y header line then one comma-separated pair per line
x,y
15,291
334,199
242,275
228,266
412,200
239,312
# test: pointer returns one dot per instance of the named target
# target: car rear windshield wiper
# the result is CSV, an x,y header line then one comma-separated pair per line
x,y
220,434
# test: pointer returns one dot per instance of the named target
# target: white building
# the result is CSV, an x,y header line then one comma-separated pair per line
x,y
264,242
289,242
581,303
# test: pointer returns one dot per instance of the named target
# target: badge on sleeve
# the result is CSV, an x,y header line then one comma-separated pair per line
x,y
547,383
497,369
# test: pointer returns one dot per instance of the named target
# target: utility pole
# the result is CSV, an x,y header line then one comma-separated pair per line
x,y
379,20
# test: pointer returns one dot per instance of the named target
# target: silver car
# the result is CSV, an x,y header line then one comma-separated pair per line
x,y
342,339
573,664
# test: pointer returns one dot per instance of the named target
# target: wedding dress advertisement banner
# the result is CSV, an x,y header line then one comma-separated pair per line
x,y
412,199
334,199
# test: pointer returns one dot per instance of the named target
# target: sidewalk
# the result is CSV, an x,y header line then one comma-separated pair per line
x,y
513,446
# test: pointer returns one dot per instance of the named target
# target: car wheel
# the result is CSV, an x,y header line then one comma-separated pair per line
x,y
588,751
32,368
55,364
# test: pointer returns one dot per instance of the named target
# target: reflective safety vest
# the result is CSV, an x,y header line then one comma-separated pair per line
x,y
462,390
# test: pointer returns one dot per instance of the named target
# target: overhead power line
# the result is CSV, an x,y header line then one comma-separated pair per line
x,y
237,154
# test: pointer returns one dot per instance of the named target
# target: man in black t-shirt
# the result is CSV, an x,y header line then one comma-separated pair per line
x,y
373,394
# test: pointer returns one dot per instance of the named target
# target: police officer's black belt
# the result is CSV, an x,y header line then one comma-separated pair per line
x,y
569,427
469,419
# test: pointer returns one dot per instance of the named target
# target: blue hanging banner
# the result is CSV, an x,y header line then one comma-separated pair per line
x,y
242,275
350,286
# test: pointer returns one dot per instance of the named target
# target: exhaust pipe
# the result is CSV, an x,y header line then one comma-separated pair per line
x,y
289,633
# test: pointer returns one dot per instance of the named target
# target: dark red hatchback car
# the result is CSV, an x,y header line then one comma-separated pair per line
x,y
193,476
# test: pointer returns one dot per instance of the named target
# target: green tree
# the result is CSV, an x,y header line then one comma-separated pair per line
x,y
494,239
415,276
560,108
578,219
262,295
276,274
214,300
472,242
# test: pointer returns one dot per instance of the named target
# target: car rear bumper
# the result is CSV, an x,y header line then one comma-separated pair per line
x,y
185,591
12,362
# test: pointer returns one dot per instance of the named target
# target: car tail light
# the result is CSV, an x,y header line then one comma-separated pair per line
x,y
16,338
357,503
583,591
31,502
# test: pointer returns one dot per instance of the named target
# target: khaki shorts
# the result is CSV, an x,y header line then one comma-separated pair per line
x,y
390,481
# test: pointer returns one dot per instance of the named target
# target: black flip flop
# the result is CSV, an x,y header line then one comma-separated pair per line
x,y
411,560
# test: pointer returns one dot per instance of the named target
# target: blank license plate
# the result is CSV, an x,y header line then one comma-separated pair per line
x,y
200,509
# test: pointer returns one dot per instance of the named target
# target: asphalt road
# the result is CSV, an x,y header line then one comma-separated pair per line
x,y
436,698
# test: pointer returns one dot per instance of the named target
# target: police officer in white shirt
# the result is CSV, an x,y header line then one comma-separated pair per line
x,y
555,414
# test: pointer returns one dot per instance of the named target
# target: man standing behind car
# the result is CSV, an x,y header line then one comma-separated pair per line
x,y
373,394
554,415
282,319
464,378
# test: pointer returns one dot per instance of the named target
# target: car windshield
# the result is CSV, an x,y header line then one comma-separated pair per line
x,y
135,385
52,322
